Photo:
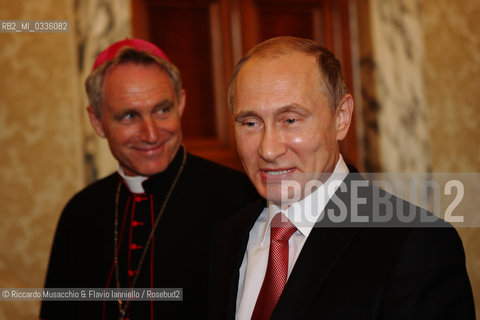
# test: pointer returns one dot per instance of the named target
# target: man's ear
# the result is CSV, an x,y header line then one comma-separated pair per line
x,y
95,121
343,116
181,102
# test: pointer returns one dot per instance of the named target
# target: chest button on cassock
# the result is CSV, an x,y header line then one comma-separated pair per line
x,y
139,198
137,223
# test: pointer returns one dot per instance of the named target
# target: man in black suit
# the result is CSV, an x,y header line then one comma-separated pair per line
x,y
323,244
148,225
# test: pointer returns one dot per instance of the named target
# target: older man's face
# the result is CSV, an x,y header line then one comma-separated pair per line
x,y
140,118
284,126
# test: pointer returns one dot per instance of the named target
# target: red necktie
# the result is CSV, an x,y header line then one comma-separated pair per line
x,y
277,269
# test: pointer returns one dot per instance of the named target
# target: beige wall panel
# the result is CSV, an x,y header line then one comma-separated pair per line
x,y
41,159
452,39
452,77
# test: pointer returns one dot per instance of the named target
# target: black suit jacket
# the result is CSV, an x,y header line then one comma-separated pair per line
x,y
400,270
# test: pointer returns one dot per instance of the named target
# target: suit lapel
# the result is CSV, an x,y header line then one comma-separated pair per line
x,y
239,230
322,250
318,258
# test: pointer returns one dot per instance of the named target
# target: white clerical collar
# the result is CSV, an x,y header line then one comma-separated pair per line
x,y
304,213
134,184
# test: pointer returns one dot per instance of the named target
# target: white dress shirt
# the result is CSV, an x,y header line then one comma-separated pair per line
x,y
303,214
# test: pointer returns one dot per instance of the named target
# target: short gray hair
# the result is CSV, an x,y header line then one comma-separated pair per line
x,y
329,66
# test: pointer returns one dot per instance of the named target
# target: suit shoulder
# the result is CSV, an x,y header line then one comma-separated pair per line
x,y
435,243
98,189
91,198
429,267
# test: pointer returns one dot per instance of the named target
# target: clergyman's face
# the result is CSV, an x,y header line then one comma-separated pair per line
x,y
284,126
140,118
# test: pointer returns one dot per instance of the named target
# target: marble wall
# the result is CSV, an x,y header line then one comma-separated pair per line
x,y
419,65
402,110
48,148
98,23
40,135
452,75
452,81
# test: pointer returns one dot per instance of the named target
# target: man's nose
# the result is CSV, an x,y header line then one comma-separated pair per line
x,y
148,131
272,144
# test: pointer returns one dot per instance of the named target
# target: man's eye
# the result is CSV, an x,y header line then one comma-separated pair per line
x,y
248,123
290,121
126,116
164,109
